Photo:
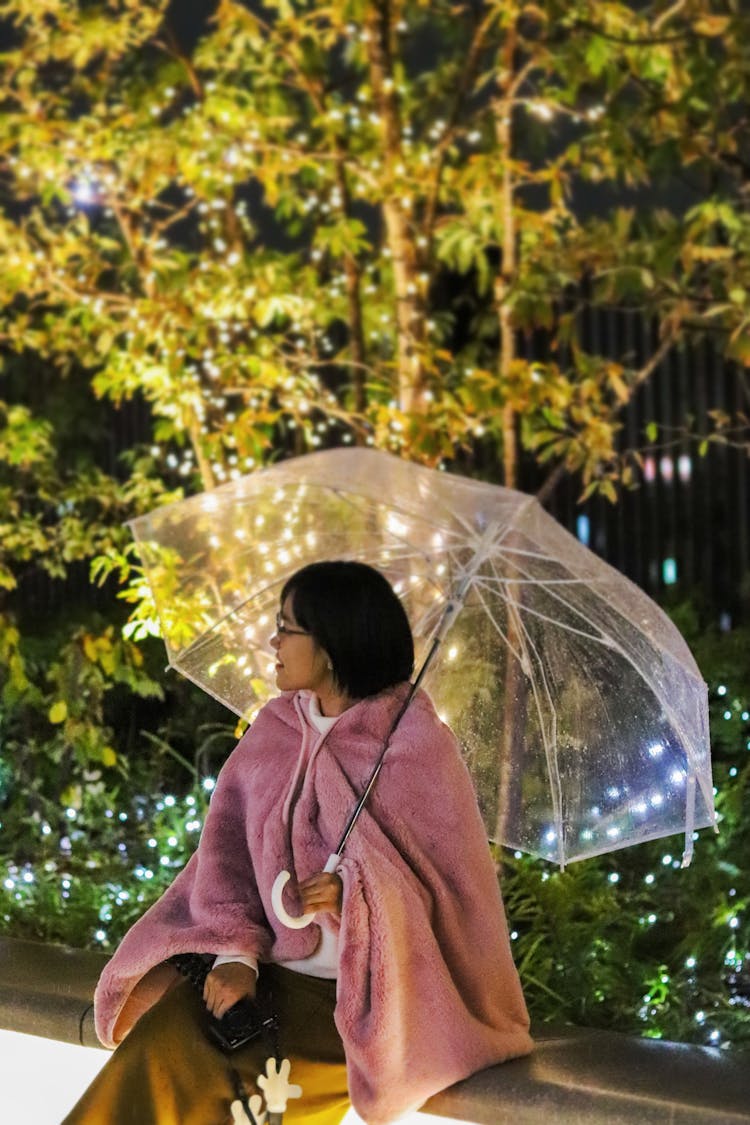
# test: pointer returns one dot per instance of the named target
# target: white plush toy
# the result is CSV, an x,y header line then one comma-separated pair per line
x,y
277,1087
239,1116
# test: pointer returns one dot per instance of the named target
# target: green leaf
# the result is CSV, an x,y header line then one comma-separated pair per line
x,y
598,53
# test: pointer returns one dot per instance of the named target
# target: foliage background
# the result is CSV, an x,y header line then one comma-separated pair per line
x,y
301,225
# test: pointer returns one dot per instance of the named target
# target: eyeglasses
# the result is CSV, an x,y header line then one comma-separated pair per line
x,y
283,630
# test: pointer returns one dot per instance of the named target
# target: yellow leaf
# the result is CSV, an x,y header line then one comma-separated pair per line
x,y
109,758
58,712
608,489
7,581
710,253
619,386
89,647
711,25
260,687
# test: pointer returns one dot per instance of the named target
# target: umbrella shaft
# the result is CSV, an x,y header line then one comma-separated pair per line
x,y
379,764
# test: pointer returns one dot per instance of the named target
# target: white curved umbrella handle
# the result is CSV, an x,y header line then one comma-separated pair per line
x,y
277,891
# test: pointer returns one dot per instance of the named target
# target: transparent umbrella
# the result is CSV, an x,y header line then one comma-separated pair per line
x,y
582,714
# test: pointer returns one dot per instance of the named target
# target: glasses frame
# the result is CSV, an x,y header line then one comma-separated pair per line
x,y
283,630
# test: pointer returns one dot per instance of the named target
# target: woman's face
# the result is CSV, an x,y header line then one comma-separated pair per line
x,y
301,664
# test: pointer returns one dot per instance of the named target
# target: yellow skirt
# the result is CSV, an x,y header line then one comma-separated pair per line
x,y
168,1072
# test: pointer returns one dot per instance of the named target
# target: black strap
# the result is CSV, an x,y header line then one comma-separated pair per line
x,y
241,1093
195,967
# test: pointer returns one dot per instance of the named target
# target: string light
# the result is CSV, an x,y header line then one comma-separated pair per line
x,y
232,158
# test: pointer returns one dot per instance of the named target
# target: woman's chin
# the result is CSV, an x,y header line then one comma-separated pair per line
x,y
282,680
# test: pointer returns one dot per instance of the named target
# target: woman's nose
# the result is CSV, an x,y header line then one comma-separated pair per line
x,y
275,640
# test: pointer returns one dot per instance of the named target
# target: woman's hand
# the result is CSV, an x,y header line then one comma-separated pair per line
x,y
226,984
322,892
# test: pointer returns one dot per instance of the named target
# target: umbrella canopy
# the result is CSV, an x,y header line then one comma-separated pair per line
x,y
581,711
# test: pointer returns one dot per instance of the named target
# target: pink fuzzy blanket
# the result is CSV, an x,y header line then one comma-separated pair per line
x,y
427,989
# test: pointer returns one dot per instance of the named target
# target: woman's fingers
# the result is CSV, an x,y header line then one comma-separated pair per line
x,y
218,1005
227,984
323,891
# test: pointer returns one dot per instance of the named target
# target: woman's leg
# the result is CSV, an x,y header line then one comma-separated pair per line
x,y
167,1071
308,1037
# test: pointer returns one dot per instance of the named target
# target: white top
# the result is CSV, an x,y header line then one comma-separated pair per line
x,y
324,961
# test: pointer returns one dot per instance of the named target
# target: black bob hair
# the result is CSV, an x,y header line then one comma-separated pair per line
x,y
353,613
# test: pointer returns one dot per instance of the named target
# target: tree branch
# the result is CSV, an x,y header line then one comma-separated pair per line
x,y
670,336
172,47
635,40
668,14
469,70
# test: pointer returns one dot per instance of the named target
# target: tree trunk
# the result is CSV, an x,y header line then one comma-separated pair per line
x,y
204,465
353,277
503,281
511,747
512,742
410,316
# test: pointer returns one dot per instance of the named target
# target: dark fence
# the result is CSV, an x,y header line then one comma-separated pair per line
x,y
685,526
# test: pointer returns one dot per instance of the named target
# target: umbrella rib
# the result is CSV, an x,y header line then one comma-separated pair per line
x,y
350,498
602,639
521,627
414,551
557,597
546,558
518,655
543,581
206,634
508,550
534,555
549,740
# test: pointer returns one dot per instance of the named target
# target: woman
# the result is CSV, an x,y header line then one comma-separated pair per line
x,y
405,982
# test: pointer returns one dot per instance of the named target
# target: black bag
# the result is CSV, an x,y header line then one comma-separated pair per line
x,y
243,1022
